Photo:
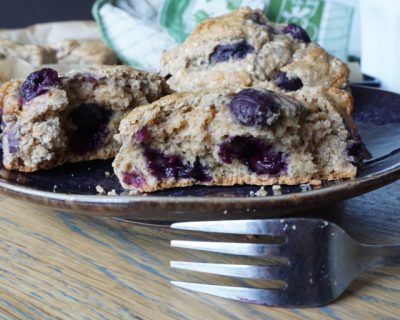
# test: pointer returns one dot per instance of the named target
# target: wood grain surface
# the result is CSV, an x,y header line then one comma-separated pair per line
x,y
62,266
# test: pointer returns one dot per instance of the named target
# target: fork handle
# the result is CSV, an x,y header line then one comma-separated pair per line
x,y
382,256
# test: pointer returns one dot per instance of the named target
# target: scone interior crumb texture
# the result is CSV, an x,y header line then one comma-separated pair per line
x,y
243,48
251,136
49,120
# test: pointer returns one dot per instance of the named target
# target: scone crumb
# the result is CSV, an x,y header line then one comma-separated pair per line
x,y
252,193
112,193
107,174
277,190
315,182
225,212
133,192
261,192
100,189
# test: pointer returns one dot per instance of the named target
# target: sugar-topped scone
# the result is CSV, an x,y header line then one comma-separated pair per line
x,y
84,52
49,120
245,136
243,48
32,53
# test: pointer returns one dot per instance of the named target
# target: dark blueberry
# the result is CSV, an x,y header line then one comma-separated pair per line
x,y
134,178
255,108
12,139
225,52
197,172
161,165
237,147
258,156
356,150
164,166
297,32
259,18
142,135
89,77
268,162
89,128
283,82
37,83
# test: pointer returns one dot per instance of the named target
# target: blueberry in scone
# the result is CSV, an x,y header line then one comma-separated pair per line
x,y
49,119
243,48
243,136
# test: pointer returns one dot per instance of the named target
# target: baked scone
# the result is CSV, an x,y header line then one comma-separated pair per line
x,y
34,54
246,136
84,52
50,120
243,48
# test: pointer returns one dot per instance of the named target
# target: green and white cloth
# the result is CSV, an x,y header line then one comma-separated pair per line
x,y
140,30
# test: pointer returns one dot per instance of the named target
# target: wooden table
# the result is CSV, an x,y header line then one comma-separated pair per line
x,y
60,266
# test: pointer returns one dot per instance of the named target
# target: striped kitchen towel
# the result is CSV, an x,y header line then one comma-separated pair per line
x,y
140,30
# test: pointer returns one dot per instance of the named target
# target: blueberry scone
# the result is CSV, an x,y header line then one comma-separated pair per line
x,y
245,136
34,54
49,120
84,52
243,48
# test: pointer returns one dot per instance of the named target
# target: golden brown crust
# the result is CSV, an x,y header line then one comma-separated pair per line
x,y
9,97
192,125
84,52
247,179
189,66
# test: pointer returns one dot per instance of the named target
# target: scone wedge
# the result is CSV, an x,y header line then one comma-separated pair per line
x,y
243,48
49,119
246,136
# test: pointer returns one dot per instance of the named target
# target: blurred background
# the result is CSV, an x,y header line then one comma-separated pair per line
x,y
22,13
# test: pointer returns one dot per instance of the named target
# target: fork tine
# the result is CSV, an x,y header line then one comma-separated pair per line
x,y
241,249
234,270
270,297
273,227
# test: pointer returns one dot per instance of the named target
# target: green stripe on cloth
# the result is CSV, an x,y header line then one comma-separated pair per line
x,y
105,37
306,13
171,18
96,15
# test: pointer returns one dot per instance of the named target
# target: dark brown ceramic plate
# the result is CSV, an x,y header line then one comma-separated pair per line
x,y
72,187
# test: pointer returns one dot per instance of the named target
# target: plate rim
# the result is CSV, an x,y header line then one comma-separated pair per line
x,y
126,199
84,202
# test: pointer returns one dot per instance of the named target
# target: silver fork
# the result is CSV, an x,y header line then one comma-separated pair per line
x,y
322,260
